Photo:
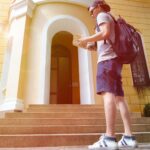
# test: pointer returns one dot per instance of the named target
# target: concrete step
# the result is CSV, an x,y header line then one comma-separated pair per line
x,y
142,146
61,115
42,140
65,106
66,121
65,129
64,109
54,121
62,125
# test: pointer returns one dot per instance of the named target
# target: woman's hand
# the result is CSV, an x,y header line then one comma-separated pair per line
x,y
92,46
82,42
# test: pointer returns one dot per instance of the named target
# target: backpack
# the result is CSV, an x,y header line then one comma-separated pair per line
x,y
127,40
126,44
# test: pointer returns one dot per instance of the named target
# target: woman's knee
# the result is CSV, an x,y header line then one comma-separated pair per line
x,y
119,99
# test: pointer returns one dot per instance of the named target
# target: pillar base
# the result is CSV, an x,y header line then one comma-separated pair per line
x,y
12,104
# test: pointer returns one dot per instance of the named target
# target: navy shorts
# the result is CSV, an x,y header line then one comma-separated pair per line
x,y
109,77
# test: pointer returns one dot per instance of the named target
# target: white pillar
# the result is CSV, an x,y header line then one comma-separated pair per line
x,y
19,11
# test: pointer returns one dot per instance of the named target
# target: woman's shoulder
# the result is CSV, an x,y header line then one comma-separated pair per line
x,y
104,16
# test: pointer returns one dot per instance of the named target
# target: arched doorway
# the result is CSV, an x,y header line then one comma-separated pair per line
x,y
64,78
76,27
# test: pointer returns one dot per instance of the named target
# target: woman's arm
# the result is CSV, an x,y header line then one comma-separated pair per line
x,y
102,35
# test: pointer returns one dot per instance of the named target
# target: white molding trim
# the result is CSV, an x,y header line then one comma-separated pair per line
x,y
74,26
12,104
84,3
20,8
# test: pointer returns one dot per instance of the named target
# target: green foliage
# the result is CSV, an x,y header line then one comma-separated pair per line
x,y
147,110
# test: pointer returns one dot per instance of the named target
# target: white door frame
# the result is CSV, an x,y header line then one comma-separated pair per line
x,y
74,26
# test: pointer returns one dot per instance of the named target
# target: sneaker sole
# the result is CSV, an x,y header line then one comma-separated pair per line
x,y
128,147
103,148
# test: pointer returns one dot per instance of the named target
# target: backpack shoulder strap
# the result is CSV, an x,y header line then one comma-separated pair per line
x,y
112,17
97,28
109,40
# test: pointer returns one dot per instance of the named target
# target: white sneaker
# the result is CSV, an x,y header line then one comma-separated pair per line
x,y
104,143
127,142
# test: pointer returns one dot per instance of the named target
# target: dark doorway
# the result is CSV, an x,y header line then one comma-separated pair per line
x,y
61,75
64,76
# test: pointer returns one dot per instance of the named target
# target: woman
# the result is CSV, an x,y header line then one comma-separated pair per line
x,y
109,83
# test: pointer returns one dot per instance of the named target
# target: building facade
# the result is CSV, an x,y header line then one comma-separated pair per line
x,y
40,65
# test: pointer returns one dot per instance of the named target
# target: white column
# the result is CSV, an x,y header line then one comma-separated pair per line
x,y
19,11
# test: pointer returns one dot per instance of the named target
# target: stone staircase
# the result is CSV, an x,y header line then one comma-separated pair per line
x,y
63,125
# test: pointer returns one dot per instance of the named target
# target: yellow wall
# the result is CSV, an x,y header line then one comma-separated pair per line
x,y
137,13
4,8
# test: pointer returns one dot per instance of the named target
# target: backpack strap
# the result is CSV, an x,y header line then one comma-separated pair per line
x,y
112,17
109,40
98,29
